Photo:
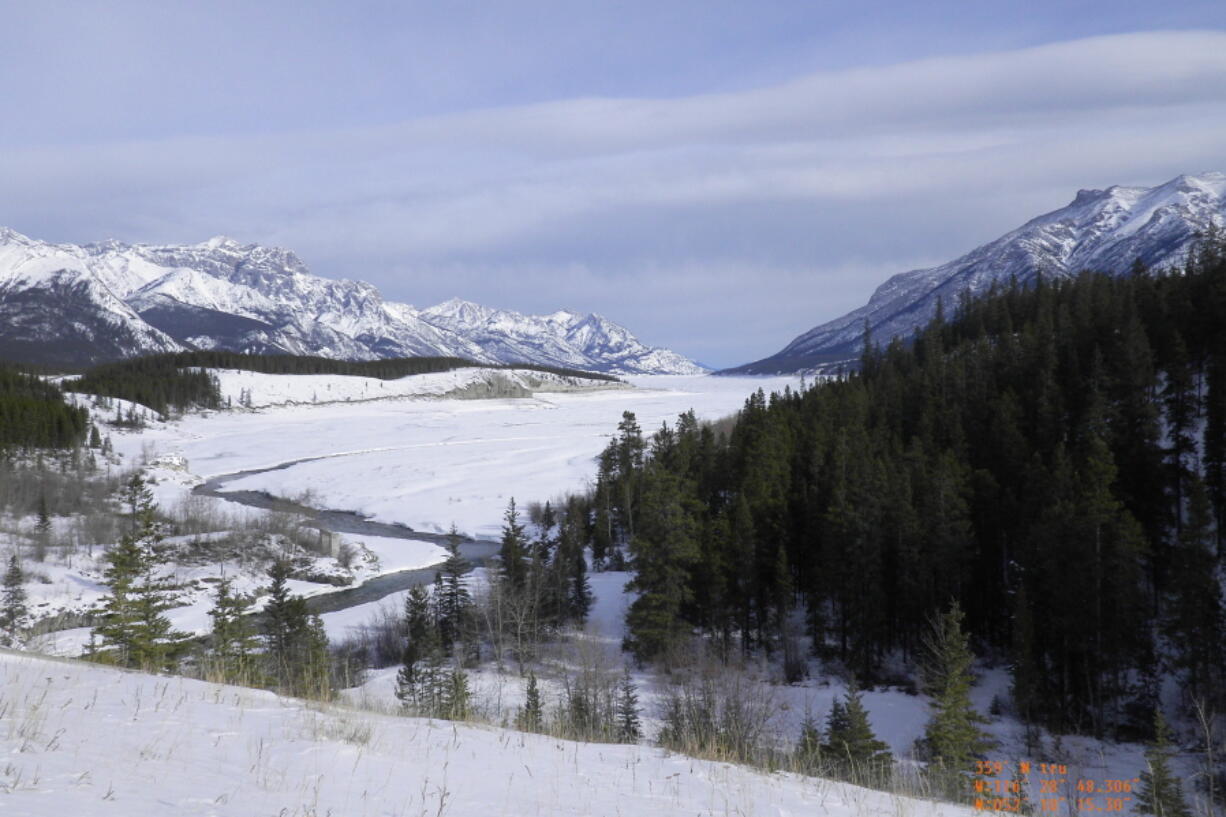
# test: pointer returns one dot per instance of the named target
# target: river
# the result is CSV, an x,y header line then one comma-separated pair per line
x,y
475,551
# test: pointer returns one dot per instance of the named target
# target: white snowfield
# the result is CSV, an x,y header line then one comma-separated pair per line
x,y
255,390
430,463
96,742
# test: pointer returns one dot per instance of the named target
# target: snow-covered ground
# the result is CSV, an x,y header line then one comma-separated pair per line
x,y
87,740
410,455
255,390
431,463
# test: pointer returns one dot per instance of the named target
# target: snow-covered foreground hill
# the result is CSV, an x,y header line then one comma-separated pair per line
x,y
86,740
429,463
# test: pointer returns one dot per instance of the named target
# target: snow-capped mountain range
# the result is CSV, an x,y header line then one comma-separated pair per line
x,y
1102,230
71,305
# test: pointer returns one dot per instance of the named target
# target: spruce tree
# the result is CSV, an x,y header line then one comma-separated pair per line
x,y
13,610
629,726
513,551
452,598
952,736
850,742
663,548
295,643
457,698
133,628
1161,793
531,717
809,746
233,638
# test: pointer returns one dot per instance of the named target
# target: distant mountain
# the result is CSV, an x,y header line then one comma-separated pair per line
x,y
64,304
1103,230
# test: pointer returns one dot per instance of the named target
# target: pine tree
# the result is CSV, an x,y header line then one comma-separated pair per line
x,y
513,551
295,643
42,529
456,698
629,727
421,683
133,627
13,610
531,717
1161,793
952,736
233,639
663,549
809,746
850,741
1194,616
452,598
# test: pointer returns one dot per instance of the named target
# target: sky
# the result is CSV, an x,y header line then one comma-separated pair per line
x,y
716,175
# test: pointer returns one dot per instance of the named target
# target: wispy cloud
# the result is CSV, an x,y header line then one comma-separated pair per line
x,y
767,210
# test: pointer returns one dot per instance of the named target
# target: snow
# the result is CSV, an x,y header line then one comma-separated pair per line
x,y
429,463
94,741
307,314
258,390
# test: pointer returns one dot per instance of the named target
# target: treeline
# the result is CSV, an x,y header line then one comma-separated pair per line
x,y
1053,458
33,413
176,380
158,382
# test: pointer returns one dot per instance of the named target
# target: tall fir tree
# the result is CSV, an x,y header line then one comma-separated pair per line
x,y
952,736
1161,793
133,630
233,640
13,609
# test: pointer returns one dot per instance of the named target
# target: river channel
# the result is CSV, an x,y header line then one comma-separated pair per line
x,y
476,551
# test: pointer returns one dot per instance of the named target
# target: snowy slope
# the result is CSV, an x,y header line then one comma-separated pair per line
x,y
221,294
562,338
88,740
1102,230
53,305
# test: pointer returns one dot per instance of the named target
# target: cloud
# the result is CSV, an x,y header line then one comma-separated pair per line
x,y
783,205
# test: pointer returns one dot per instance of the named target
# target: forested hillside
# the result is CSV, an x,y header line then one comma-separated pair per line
x,y
1053,458
33,413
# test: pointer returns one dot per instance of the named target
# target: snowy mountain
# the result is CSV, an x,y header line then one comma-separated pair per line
x,y
71,304
563,338
1102,230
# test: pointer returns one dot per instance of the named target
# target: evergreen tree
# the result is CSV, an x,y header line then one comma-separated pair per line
x,y
133,628
809,746
233,638
13,610
531,717
952,736
295,644
1161,793
1194,616
453,599
629,727
456,699
663,548
513,551
850,741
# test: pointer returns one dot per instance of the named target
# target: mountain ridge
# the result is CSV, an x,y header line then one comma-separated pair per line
x,y
1105,230
70,304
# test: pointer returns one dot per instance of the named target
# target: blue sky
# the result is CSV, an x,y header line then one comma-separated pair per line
x,y
718,176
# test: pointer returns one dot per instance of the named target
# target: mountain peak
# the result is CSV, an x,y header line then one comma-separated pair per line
x,y
221,294
219,241
1103,230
